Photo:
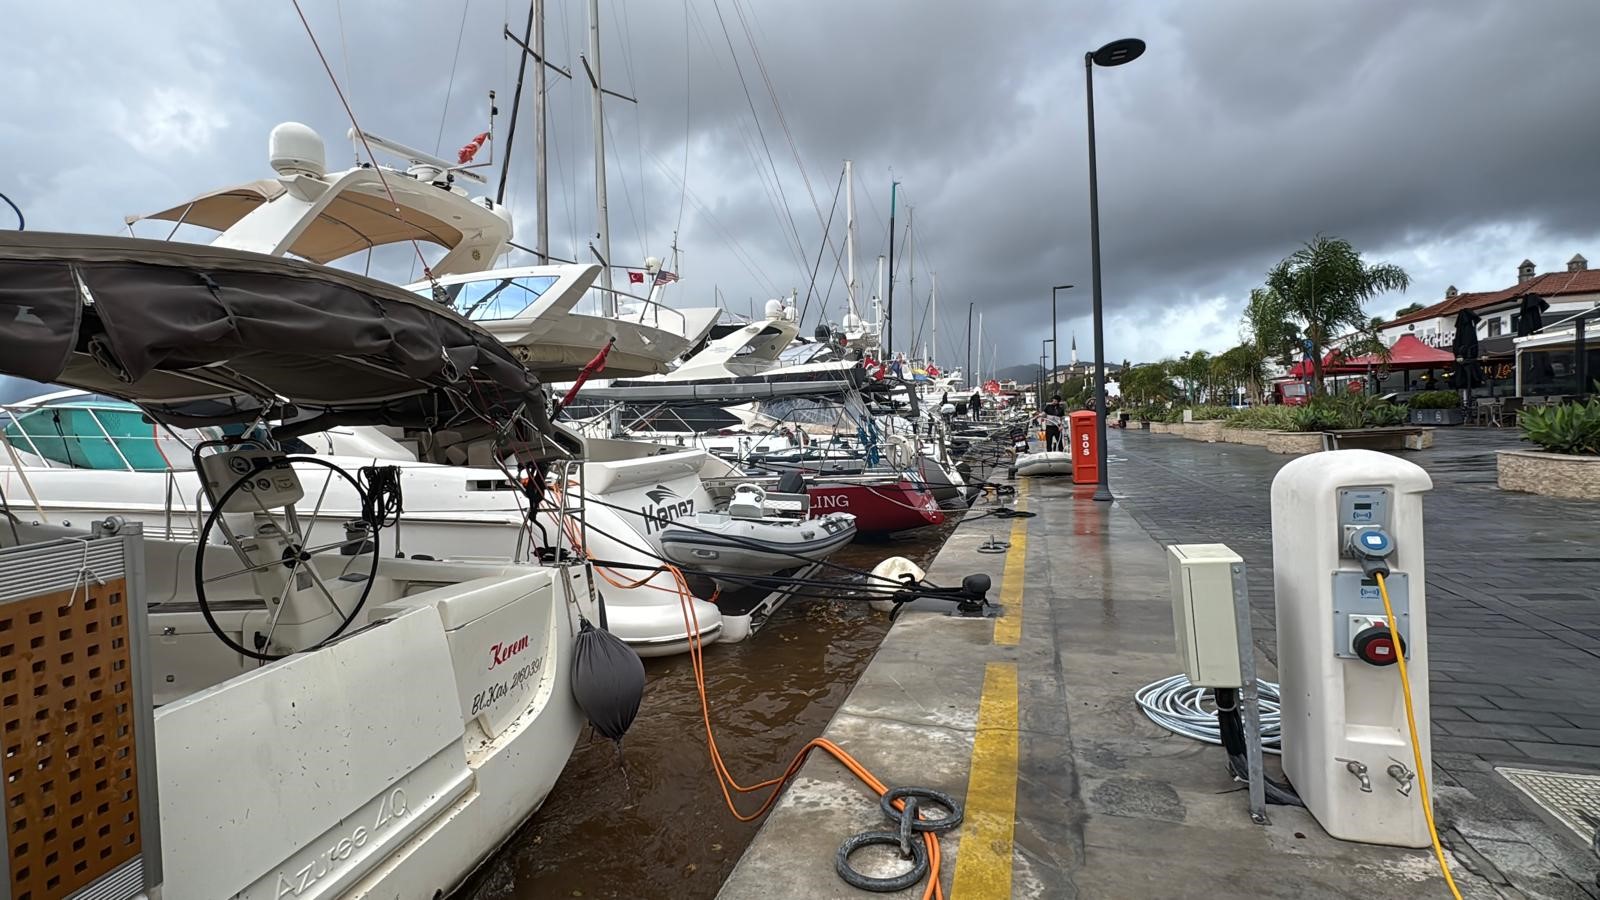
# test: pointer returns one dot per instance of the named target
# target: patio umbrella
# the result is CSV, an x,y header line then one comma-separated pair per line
x,y
1531,315
1465,348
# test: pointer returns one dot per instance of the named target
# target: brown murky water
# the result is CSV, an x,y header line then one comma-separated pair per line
x,y
662,830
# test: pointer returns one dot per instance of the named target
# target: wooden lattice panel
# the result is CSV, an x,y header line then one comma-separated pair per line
x,y
67,727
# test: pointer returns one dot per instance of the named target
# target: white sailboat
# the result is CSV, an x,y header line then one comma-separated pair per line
x,y
331,721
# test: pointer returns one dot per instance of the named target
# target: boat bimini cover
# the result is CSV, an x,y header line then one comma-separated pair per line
x,y
607,680
201,335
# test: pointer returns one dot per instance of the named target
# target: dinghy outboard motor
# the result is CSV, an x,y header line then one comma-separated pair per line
x,y
607,680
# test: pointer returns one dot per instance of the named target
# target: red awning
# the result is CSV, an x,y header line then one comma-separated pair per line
x,y
1407,353
1303,368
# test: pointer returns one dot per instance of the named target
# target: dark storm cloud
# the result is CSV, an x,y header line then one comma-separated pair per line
x,y
1454,137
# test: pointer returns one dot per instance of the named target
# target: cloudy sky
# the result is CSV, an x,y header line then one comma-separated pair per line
x,y
1453,137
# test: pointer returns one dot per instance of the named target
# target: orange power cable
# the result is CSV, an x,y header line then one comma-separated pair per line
x,y
729,785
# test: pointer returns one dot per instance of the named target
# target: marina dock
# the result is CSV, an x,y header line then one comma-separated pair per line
x,y
1070,791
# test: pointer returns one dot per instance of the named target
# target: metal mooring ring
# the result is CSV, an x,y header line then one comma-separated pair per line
x,y
923,794
913,876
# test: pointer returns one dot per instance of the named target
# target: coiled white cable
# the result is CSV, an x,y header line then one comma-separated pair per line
x,y
1181,708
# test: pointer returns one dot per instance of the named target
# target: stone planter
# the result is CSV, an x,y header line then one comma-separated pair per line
x,y
1209,430
1138,424
1247,436
1549,474
1296,442
1438,416
1160,428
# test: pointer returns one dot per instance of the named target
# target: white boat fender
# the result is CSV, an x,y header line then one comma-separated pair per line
x,y
607,680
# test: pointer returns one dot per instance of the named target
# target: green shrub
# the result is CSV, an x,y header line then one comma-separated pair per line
x,y
1435,400
1318,415
1346,411
1572,428
1206,413
1263,418
1381,415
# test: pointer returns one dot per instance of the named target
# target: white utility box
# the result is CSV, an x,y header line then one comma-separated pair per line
x,y
1346,747
1204,579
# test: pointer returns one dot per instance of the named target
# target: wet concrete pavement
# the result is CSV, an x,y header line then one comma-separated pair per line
x,y
1098,801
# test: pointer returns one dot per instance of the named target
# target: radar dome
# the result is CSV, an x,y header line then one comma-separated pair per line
x,y
294,149
652,263
774,309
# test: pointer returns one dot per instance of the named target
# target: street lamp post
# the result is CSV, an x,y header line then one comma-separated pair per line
x,y
1043,376
1115,53
1055,348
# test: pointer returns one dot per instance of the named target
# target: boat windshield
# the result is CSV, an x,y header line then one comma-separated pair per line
x,y
87,431
497,298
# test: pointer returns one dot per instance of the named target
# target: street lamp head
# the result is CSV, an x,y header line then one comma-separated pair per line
x,y
1118,52
1062,287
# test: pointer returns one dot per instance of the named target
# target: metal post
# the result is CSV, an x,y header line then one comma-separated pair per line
x,y
1249,699
1580,353
1102,490
1055,348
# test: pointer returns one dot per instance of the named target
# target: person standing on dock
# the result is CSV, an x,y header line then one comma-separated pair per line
x,y
1053,413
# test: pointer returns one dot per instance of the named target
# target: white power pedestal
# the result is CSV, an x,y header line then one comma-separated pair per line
x,y
1346,747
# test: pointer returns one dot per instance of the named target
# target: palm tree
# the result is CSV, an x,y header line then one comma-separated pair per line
x,y
1147,383
1321,288
1268,328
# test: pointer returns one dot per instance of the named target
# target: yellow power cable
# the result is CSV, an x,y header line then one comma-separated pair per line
x,y
1416,745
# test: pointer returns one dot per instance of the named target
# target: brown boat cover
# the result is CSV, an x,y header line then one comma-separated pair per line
x,y
204,335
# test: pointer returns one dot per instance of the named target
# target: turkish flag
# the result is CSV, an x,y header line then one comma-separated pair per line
x,y
636,278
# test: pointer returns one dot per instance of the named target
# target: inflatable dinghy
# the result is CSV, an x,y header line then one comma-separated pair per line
x,y
1053,462
742,544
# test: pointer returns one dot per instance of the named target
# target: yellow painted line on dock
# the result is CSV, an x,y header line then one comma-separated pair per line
x,y
983,857
1008,628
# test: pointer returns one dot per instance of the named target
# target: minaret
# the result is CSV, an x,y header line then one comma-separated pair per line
x,y
1074,350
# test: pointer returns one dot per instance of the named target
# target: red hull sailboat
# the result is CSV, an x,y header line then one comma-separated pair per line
x,y
879,508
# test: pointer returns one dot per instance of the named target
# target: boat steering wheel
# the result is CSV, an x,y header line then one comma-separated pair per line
x,y
283,545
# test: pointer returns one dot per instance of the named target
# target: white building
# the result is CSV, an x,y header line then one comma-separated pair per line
x,y
1569,292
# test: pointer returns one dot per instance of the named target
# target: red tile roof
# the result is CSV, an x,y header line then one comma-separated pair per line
x,y
1550,284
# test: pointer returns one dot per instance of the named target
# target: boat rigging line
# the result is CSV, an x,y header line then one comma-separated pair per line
x,y
450,84
427,270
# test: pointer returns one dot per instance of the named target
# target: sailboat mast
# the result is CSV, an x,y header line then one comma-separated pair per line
x,y
608,300
968,373
877,305
516,106
911,261
850,237
888,316
541,245
934,300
